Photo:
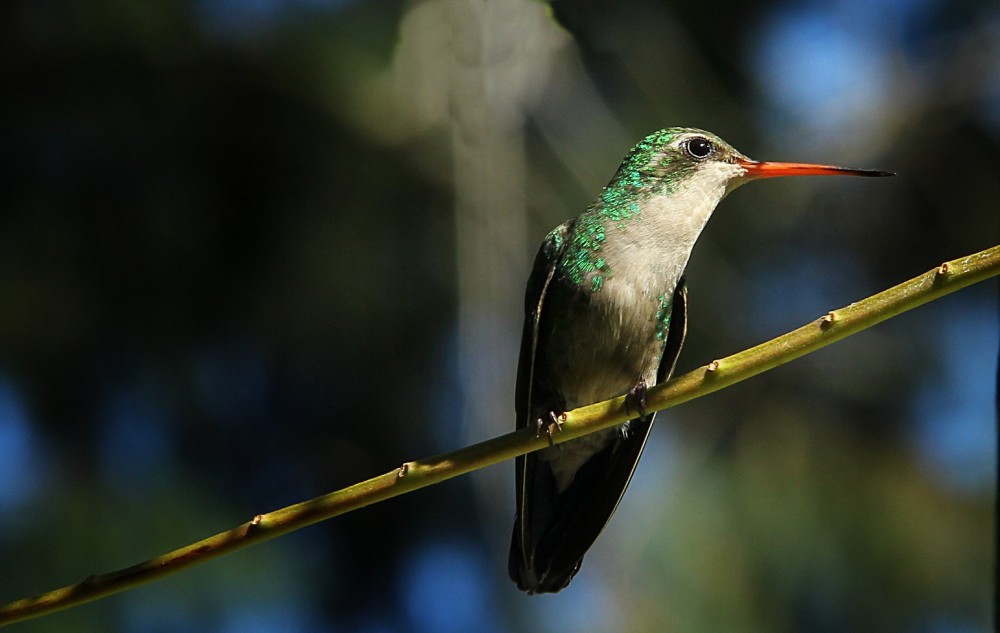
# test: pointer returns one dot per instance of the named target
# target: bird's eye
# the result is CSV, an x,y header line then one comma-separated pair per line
x,y
699,147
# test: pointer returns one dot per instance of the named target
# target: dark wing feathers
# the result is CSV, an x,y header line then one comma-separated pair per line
x,y
675,334
538,282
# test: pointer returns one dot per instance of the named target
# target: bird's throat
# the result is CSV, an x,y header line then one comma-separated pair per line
x,y
644,241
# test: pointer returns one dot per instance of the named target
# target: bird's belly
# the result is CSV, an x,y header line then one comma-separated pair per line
x,y
606,355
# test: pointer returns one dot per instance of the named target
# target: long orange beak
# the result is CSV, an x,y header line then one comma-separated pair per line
x,y
757,169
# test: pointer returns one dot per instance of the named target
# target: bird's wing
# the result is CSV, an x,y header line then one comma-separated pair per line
x,y
676,333
539,281
542,273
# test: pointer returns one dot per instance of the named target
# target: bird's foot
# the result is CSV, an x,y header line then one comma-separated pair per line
x,y
635,399
541,426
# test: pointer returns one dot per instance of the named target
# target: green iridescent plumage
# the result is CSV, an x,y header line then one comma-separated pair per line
x,y
663,317
639,177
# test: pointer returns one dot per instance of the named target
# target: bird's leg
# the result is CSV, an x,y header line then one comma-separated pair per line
x,y
540,425
635,399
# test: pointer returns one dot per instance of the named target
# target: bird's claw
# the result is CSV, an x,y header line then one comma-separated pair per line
x,y
635,399
555,419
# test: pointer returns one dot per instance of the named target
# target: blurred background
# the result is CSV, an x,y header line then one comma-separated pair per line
x,y
252,251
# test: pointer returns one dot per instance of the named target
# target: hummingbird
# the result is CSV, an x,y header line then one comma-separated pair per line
x,y
606,315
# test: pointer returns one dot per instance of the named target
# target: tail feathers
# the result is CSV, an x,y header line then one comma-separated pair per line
x,y
552,530
532,578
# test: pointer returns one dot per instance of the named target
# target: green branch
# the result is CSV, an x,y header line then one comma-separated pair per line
x,y
838,324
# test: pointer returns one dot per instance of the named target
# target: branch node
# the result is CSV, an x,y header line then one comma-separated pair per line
x,y
942,270
253,524
713,366
403,470
828,320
